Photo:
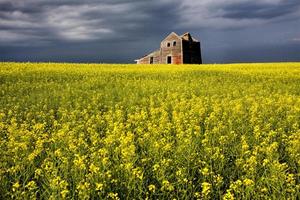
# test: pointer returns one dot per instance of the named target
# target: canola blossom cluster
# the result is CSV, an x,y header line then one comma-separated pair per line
x,y
99,131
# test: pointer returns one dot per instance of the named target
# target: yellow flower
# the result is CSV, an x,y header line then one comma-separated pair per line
x,y
228,196
248,182
166,185
138,173
265,162
15,186
197,195
114,196
156,167
99,186
151,188
64,194
205,171
31,185
94,169
206,188
264,190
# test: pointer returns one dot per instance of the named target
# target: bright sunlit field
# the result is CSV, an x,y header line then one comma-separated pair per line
x,y
88,131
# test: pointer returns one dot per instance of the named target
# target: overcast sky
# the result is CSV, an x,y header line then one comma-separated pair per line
x,y
120,31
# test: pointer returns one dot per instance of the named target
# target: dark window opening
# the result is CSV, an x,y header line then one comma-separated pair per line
x,y
168,45
174,43
151,60
169,60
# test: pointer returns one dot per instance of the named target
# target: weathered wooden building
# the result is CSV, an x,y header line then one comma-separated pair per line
x,y
175,49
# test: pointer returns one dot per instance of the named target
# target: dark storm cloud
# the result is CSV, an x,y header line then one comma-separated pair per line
x,y
260,9
122,30
83,20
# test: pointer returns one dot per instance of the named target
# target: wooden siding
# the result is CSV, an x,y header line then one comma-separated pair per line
x,y
146,59
173,51
187,50
191,52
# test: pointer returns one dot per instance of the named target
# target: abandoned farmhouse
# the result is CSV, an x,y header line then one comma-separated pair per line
x,y
175,49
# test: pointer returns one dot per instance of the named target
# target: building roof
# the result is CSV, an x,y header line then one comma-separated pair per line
x,y
149,54
187,36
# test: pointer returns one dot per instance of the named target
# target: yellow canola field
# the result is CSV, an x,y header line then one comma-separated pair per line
x,y
108,131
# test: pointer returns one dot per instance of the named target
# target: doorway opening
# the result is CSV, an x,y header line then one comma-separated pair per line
x,y
169,60
151,60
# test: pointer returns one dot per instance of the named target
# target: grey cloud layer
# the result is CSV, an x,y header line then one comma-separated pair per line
x,y
87,20
226,14
74,26
79,20
261,9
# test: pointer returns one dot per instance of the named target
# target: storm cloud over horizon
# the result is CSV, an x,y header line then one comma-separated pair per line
x,y
120,31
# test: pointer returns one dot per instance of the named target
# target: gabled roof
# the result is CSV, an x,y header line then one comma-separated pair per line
x,y
149,54
173,33
187,36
